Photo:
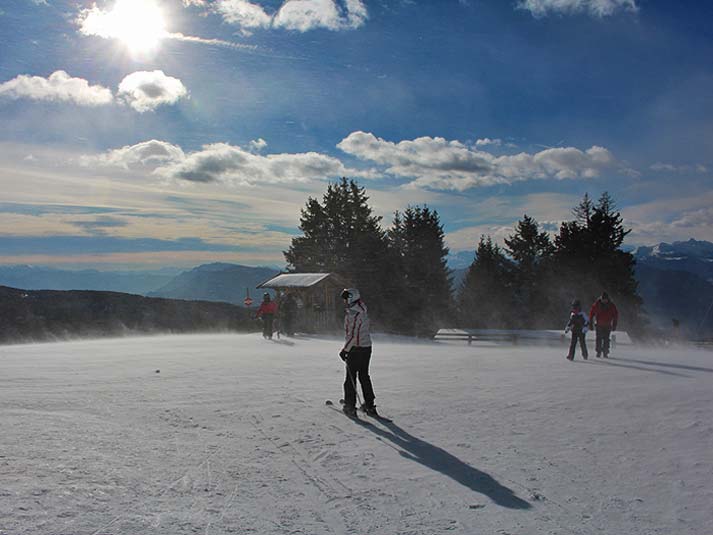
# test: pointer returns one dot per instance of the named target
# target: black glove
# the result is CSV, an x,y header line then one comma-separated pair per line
x,y
343,355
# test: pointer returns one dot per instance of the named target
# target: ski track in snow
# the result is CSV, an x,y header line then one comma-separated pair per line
x,y
232,436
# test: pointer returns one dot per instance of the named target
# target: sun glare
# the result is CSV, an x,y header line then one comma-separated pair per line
x,y
139,24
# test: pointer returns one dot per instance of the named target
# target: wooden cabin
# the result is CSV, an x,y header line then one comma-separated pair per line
x,y
319,307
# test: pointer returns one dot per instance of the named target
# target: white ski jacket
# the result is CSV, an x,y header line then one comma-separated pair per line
x,y
356,327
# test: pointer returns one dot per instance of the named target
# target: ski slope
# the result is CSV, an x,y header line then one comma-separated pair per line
x,y
217,434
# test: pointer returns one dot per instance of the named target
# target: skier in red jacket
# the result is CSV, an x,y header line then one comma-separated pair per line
x,y
267,311
607,316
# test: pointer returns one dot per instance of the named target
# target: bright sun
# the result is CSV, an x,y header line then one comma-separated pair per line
x,y
139,24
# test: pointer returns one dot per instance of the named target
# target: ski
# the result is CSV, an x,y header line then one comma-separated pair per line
x,y
377,417
353,417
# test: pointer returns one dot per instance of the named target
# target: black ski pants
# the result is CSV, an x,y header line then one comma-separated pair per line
x,y
358,369
602,343
578,336
267,320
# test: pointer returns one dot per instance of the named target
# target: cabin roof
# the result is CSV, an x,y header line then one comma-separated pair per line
x,y
297,280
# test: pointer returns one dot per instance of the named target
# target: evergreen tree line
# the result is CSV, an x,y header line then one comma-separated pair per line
x,y
403,275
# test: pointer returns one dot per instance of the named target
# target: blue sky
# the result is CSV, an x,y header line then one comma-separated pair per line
x,y
146,133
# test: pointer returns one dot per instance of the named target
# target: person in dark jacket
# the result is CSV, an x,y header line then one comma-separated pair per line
x,y
578,323
288,310
267,311
605,316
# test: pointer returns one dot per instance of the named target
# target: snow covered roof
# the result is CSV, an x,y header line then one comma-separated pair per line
x,y
296,280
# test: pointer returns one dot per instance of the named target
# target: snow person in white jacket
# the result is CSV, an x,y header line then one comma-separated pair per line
x,y
356,353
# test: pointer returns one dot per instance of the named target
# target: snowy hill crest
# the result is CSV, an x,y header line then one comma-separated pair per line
x,y
693,249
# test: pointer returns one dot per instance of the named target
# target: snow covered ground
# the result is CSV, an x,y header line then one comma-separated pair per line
x,y
233,436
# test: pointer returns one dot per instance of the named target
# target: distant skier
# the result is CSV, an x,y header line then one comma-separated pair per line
x,y
267,311
577,323
288,309
356,353
607,316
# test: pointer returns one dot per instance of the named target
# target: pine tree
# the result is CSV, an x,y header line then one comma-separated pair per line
x,y
589,259
531,250
418,242
615,268
486,296
606,228
342,235
583,211
528,246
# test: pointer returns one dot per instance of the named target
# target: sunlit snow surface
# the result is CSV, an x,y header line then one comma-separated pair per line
x,y
233,436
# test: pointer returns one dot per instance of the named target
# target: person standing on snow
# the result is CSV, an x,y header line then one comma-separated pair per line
x,y
607,316
356,353
288,308
577,323
267,311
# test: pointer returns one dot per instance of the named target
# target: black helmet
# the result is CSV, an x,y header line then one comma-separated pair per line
x,y
351,295
576,304
605,296
266,296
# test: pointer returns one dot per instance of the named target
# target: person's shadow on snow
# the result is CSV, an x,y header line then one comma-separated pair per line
x,y
449,465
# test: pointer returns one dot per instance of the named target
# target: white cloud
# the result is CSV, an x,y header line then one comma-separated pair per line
x,y
688,226
212,42
487,141
221,162
356,13
256,145
59,86
146,155
305,15
441,164
695,218
145,91
596,8
660,167
676,214
142,90
243,13
227,163
296,15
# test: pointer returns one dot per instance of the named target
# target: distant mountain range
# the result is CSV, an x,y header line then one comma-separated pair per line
x,y
209,282
691,256
216,282
676,282
460,260
46,278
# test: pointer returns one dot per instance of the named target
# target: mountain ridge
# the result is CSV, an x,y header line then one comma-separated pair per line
x,y
230,283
